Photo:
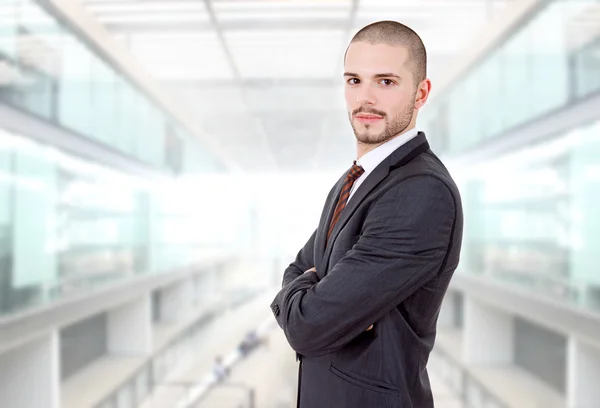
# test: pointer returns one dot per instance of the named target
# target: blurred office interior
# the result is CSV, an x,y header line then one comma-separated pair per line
x,y
162,162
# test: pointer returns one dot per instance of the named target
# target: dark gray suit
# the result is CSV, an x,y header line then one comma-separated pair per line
x,y
388,262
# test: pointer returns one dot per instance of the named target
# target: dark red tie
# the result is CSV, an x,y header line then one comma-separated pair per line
x,y
354,173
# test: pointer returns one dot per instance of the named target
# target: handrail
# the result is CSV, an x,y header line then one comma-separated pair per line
x,y
203,388
204,318
468,382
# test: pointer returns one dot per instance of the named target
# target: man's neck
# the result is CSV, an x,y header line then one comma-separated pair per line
x,y
364,148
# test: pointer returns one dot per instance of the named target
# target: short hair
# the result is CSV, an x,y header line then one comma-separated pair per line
x,y
395,33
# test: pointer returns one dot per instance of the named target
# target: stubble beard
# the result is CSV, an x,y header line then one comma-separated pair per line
x,y
397,125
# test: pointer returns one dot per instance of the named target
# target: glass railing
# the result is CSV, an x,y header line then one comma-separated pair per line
x,y
67,225
47,70
548,62
467,388
155,372
532,219
136,389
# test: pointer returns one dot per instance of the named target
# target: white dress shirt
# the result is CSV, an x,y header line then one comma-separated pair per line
x,y
372,159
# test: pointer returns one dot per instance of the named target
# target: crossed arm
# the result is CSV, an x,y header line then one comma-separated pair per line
x,y
304,261
403,246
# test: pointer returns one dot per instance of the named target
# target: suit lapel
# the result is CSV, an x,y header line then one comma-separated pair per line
x,y
399,157
379,174
321,238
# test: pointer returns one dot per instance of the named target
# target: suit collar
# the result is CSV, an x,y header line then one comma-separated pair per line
x,y
408,151
370,160
398,158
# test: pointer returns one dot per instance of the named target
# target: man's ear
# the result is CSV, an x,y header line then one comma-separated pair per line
x,y
422,93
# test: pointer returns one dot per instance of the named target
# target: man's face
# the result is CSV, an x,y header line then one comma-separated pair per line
x,y
380,91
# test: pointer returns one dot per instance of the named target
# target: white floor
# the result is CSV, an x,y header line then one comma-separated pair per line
x,y
220,338
272,373
442,395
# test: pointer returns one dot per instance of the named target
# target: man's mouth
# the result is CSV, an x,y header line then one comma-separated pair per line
x,y
368,117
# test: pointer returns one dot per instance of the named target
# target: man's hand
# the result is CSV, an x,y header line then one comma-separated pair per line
x,y
369,328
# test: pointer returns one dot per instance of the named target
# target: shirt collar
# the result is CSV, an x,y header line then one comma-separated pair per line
x,y
373,158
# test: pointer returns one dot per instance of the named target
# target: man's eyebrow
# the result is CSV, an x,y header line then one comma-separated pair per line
x,y
386,75
383,75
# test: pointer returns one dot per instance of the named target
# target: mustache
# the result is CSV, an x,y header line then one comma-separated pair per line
x,y
368,110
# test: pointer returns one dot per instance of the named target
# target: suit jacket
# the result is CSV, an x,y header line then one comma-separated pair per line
x,y
388,262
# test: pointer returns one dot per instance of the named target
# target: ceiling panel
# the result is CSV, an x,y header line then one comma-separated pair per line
x,y
145,19
140,6
181,56
241,135
267,5
294,98
145,12
202,97
266,11
263,77
434,20
285,54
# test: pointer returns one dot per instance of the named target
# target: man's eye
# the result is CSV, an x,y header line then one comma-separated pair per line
x,y
387,81
353,81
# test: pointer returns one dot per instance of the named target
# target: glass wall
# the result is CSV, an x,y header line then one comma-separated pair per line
x,y
47,70
532,217
67,224
550,61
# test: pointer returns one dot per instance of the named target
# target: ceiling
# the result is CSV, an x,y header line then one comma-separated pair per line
x,y
263,77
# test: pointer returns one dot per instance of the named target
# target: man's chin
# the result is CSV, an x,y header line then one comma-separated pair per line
x,y
368,137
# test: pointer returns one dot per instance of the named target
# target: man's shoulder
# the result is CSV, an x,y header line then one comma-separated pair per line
x,y
427,179
425,175
425,165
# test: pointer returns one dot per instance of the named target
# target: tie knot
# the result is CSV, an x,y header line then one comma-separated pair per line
x,y
355,171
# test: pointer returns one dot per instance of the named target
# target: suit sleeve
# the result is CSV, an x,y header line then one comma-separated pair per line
x,y
403,245
304,261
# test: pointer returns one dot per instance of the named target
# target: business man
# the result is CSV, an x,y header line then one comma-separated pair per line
x,y
361,301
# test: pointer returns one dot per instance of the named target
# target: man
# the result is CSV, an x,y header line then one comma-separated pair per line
x,y
249,342
220,370
361,301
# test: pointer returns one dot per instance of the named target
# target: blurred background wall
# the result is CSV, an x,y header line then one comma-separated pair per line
x,y
162,161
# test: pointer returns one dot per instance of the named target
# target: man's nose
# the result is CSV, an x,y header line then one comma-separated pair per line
x,y
366,96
